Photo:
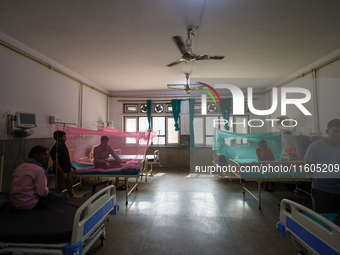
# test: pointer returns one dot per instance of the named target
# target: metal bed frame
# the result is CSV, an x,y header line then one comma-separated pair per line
x,y
85,230
308,236
238,175
155,161
143,167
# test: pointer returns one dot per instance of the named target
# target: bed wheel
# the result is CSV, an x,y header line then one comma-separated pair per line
x,y
102,240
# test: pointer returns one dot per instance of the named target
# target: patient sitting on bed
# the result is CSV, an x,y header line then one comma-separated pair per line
x,y
29,183
101,155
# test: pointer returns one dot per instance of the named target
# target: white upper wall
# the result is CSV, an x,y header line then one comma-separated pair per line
x,y
292,111
328,84
28,86
94,108
31,87
325,90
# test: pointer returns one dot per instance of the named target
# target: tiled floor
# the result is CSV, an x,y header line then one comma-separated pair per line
x,y
175,214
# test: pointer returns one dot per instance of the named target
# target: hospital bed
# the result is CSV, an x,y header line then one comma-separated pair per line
x,y
152,160
289,177
67,227
310,231
132,169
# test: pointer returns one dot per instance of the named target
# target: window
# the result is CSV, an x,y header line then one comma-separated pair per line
x,y
168,108
242,128
171,134
129,108
204,128
164,125
130,126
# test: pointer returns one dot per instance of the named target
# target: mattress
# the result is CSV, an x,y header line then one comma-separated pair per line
x,y
332,217
46,225
151,158
130,168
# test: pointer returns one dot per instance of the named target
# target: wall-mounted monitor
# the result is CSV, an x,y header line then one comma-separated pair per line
x,y
25,120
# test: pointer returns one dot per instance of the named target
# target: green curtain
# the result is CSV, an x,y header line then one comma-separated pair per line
x,y
176,109
148,112
225,110
192,114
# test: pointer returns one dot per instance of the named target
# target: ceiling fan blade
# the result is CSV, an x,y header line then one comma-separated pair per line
x,y
176,62
177,85
207,57
169,87
180,44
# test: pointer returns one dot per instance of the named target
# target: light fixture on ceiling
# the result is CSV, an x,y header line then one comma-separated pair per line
x,y
186,88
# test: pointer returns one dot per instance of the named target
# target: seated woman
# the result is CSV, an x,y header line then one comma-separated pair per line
x,y
101,155
29,183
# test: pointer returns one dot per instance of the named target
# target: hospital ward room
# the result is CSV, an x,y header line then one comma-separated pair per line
x,y
187,127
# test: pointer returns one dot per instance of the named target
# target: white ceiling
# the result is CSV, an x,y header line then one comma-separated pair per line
x,y
126,44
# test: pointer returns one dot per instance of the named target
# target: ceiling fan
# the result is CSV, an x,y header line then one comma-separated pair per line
x,y
186,50
187,88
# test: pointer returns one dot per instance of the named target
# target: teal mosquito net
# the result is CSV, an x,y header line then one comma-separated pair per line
x,y
242,147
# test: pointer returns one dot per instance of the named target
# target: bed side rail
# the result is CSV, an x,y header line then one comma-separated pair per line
x,y
96,210
330,237
156,155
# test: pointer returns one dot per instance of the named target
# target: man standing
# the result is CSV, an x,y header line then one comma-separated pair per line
x,y
326,191
64,165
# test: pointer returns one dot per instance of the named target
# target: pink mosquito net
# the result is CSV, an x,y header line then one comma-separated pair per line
x,y
129,146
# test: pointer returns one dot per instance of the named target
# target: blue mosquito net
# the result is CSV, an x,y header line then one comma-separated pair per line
x,y
242,147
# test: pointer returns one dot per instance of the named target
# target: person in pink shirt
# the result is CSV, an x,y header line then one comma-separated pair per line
x,y
29,182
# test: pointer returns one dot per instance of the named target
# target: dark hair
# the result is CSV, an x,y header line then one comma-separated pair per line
x,y
58,134
262,141
37,150
333,123
104,138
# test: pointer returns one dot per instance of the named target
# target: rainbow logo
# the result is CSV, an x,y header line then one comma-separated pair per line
x,y
208,92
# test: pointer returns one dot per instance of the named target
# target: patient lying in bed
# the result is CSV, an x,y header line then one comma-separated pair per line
x,y
101,155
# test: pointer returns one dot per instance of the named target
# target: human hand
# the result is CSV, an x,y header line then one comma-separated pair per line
x,y
107,163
